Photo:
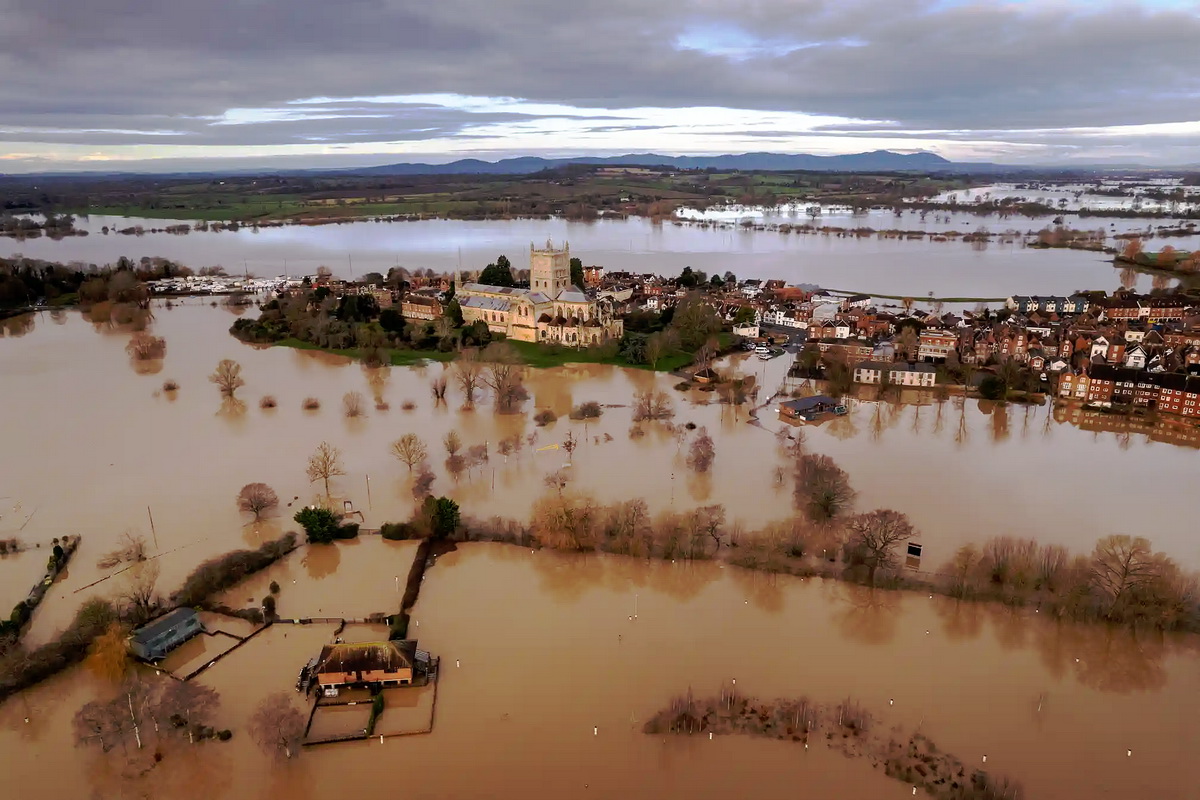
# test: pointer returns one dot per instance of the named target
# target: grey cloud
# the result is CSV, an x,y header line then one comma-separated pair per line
x,y
125,65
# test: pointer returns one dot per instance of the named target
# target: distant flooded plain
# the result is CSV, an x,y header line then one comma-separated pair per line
x,y
547,678
888,266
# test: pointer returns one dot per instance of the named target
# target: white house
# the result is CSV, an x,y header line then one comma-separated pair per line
x,y
913,374
748,330
871,372
1135,357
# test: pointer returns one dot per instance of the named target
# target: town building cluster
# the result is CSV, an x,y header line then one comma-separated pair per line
x,y
1126,351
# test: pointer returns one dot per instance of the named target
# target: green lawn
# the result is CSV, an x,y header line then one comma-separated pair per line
x,y
398,358
532,354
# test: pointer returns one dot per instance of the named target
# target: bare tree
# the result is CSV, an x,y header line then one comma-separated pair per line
x,y
324,464
139,592
438,387
558,480
423,483
228,377
570,443
144,347
822,487
467,374
452,443
257,499
702,453
706,352
186,706
353,404
410,449
651,404
100,722
1121,565
710,520
503,375
655,348
876,534
132,548
277,725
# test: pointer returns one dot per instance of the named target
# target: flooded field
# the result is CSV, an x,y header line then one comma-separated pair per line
x,y
95,447
552,663
548,678
879,266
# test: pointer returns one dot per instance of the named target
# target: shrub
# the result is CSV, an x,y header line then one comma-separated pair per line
x,y
683,386
398,531
268,606
320,524
347,531
311,404
408,405
170,386
992,388
218,574
268,401
545,417
21,670
588,410
225,735
352,404
274,587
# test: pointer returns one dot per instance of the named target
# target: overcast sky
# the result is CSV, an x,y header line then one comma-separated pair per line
x,y
126,84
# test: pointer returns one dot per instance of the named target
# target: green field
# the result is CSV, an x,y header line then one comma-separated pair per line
x,y
532,354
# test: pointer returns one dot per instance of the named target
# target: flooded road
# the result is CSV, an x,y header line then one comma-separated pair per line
x,y
871,265
547,679
93,446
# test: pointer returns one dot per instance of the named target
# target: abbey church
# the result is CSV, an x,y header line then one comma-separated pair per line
x,y
550,310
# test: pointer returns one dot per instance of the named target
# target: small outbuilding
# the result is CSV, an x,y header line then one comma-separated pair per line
x,y
810,408
158,637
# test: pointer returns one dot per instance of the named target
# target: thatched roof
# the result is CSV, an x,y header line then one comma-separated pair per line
x,y
367,657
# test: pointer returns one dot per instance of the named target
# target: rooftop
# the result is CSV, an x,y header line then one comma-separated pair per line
x,y
367,656
166,622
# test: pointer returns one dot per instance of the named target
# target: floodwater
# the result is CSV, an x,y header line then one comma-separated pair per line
x,y
94,446
869,265
547,678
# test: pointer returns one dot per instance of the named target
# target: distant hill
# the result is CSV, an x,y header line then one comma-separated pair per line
x,y
875,161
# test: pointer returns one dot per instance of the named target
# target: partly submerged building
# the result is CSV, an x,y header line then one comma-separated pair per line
x,y
155,639
810,408
366,663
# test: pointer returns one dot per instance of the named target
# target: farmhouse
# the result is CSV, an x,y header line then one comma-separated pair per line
x,y
377,663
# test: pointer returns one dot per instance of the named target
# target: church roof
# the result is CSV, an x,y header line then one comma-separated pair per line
x,y
486,303
538,297
483,288
572,295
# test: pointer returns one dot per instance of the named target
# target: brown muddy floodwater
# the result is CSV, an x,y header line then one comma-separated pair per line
x,y
548,678
866,264
89,442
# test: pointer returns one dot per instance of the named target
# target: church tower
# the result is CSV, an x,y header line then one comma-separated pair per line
x,y
550,269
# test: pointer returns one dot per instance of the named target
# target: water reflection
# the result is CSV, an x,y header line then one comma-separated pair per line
x,y
18,326
320,561
233,409
867,615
